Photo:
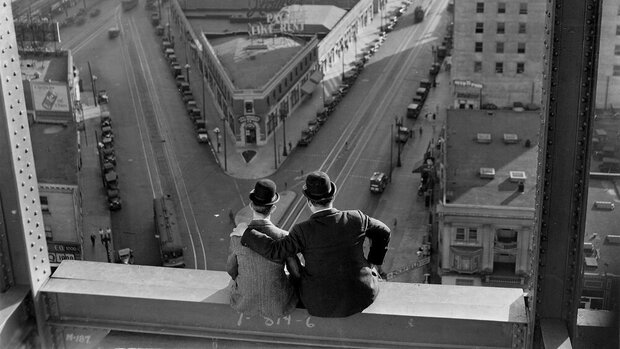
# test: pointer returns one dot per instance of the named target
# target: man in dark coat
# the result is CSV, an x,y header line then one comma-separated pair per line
x,y
337,280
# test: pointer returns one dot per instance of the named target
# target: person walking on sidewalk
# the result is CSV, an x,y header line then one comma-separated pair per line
x,y
101,235
93,238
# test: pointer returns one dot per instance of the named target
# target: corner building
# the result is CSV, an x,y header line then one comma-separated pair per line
x,y
498,53
261,60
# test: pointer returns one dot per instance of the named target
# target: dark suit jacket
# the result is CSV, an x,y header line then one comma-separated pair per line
x,y
336,280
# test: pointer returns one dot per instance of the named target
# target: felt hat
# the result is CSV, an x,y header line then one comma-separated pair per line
x,y
264,193
318,186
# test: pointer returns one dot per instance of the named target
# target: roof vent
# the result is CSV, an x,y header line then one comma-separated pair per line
x,y
517,176
511,138
483,138
487,172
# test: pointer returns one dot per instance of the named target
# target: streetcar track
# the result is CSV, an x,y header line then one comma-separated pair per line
x,y
80,41
162,125
366,129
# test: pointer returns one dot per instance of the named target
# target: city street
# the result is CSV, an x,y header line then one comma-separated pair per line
x,y
158,153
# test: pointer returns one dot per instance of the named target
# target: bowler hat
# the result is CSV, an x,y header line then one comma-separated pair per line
x,y
264,193
318,186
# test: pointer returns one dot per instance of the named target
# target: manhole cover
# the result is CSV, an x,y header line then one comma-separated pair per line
x,y
248,155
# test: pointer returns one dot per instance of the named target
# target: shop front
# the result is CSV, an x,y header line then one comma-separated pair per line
x,y
467,94
250,128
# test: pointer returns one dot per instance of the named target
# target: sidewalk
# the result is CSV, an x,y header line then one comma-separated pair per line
x,y
95,211
263,164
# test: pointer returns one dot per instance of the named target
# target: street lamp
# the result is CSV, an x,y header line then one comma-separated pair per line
x,y
217,136
94,79
224,131
187,72
399,123
283,116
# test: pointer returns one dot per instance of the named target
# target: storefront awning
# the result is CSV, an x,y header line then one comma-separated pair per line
x,y
308,87
316,77
466,250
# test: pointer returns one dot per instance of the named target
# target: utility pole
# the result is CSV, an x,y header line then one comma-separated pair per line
x,y
275,149
391,154
92,83
283,116
225,132
399,123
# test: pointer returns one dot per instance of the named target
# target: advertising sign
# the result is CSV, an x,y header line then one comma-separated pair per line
x,y
59,251
286,20
50,96
467,83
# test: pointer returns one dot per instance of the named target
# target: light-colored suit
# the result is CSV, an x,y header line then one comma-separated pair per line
x,y
260,286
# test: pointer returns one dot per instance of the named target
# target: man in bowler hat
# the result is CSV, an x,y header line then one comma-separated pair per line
x,y
260,286
337,280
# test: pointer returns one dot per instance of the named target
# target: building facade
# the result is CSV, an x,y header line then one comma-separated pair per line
x,y
485,213
496,58
608,80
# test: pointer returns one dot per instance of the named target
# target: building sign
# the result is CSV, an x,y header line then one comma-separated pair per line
x,y
262,7
249,119
467,83
285,20
59,251
50,96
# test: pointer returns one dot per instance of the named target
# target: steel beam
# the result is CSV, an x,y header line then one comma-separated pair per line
x,y
195,304
573,38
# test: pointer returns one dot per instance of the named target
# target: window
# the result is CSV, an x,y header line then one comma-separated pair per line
x,y
520,67
616,70
617,50
521,47
501,7
499,67
249,107
479,28
469,235
44,206
477,67
501,27
480,7
478,47
499,47
523,8
522,28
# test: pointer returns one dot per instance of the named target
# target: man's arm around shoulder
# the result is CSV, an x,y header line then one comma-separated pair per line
x,y
269,248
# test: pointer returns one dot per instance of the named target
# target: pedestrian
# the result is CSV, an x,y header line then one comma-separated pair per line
x,y
420,130
434,116
285,185
395,222
346,145
93,238
337,279
101,234
410,133
290,146
302,172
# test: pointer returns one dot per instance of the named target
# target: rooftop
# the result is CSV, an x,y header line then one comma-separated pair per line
x,y
317,19
237,5
45,68
251,63
55,152
469,149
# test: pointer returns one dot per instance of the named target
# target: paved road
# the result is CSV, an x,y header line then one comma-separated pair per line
x,y
157,152
356,140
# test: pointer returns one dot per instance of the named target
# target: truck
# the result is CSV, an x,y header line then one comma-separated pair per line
x,y
378,182
413,110
306,137
113,32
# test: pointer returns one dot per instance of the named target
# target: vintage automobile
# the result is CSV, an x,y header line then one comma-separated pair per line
x,y
378,182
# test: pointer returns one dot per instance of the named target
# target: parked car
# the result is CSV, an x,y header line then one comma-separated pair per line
x,y
313,126
306,138
102,97
378,182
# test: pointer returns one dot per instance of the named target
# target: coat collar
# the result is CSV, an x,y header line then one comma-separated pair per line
x,y
324,213
260,222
